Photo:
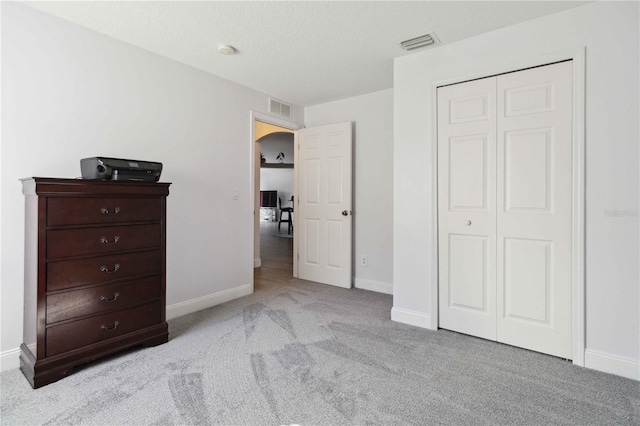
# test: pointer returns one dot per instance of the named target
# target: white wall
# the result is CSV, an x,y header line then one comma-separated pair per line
x,y
280,180
272,145
373,181
70,93
609,31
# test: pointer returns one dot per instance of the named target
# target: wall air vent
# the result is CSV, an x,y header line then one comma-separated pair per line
x,y
415,43
280,108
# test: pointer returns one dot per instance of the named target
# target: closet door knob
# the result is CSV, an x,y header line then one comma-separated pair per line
x,y
468,223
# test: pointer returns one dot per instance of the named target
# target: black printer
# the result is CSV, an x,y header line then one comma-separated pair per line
x,y
120,169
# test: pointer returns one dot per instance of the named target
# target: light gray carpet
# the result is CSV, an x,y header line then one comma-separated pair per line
x,y
317,355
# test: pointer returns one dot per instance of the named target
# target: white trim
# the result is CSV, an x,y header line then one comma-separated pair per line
x,y
257,262
577,55
372,285
10,359
612,364
578,230
194,305
265,118
435,308
406,316
296,159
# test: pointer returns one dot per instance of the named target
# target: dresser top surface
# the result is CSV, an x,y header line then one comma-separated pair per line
x,y
79,187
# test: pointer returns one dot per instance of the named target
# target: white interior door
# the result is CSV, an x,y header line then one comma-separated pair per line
x,y
504,208
467,207
534,146
323,208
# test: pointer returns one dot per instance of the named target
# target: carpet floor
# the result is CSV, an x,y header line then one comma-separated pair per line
x,y
310,354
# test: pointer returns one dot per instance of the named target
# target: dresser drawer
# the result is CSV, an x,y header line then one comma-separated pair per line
x,y
77,303
87,241
65,337
80,211
72,273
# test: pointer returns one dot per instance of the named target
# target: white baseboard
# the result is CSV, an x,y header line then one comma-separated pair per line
x,y
371,285
414,318
613,364
10,359
257,262
194,305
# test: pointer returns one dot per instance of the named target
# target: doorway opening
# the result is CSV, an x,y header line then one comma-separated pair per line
x,y
273,170
323,200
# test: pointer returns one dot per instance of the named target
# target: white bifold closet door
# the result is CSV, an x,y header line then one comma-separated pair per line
x,y
504,208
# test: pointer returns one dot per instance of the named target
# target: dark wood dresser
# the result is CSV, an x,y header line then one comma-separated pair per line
x,y
94,272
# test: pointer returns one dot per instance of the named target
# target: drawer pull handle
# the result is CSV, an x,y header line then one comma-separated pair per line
x,y
115,297
105,210
104,240
115,325
104,268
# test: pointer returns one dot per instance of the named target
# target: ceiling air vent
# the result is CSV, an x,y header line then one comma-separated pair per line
x,y
424,40
277,107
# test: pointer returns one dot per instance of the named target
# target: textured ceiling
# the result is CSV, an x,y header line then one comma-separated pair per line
x,y
305,52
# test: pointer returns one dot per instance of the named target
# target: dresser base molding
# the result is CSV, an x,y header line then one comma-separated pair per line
x,y
51,369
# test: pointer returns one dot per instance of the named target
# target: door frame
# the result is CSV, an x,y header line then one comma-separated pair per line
x,y
578,56
265,118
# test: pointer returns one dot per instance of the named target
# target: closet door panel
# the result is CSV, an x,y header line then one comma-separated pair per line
x,y
534,157
466,207
528,170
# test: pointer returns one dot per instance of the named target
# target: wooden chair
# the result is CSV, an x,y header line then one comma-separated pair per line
x,y
288,220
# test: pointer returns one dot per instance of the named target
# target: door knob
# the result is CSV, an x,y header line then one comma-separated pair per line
x,y
345,213
468,223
